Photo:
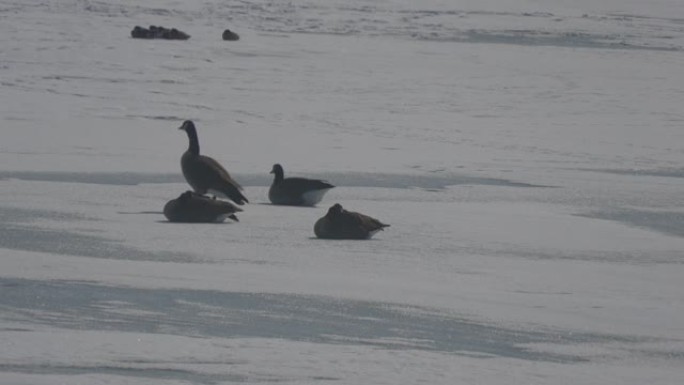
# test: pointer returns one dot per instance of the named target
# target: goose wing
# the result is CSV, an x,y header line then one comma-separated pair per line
x,y
212,168
363,222
300,186
214,209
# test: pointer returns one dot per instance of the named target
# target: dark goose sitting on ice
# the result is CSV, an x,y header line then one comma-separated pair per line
x,y
204,174
230,35
196,208
296,191
339,223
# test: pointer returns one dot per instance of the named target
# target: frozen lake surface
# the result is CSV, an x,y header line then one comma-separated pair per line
x,y
529,158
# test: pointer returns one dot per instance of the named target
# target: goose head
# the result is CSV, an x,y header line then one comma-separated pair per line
x,y
278,171
186,196
187,126
335,210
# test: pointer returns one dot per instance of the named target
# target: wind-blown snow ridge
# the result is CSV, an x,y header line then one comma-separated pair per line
x,y
350,179
202,313
18,232
666,222
661,172
126,369
434,21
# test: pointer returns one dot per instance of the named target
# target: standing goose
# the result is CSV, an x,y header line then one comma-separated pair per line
x,y
204,174
195,208
296,191
339,223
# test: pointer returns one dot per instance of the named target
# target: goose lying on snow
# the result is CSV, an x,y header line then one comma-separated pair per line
x,y
296,191
204,174
195,208
230,35
339,223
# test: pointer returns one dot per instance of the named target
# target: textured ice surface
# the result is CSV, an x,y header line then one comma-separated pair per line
x,y
527,155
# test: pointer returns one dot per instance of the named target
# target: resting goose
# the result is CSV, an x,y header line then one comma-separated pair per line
x,y
230,35
196,208
339,223
296,191
204,174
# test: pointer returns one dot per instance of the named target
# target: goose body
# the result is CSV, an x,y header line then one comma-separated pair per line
x,y
230,35
339,223
195,208
296,191
206,175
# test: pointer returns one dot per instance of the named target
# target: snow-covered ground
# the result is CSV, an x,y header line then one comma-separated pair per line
x,y
528,156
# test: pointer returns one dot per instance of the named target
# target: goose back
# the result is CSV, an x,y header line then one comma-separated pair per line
x,y
191,207
342,224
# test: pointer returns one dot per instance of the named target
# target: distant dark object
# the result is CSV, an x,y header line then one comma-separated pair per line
x,y
158,32
339,223
230,35
191,207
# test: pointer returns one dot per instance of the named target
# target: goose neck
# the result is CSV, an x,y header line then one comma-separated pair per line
x,y
193,146
279,174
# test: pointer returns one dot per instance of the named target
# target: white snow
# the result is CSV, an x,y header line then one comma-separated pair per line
x,y
528,156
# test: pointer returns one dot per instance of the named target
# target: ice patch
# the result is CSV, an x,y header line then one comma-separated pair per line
x,y
665,222
201,313
348,179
